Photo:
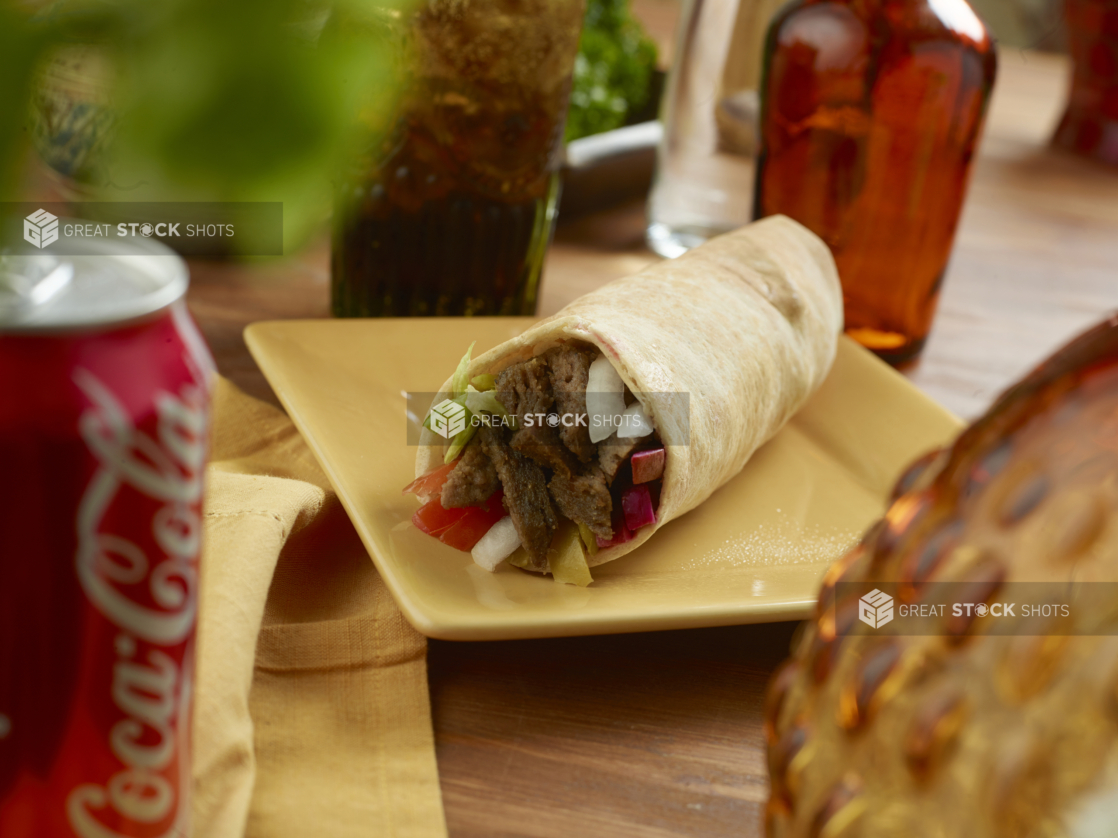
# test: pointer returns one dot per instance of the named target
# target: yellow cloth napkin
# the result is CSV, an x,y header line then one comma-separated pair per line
x,y
311,707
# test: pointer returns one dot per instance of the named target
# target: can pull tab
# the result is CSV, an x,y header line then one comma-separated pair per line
x,y
29,282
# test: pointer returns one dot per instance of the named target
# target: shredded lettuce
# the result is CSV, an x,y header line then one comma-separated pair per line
x,y
483,402
483,382
472,399
462,437
475,402
460,440
460,380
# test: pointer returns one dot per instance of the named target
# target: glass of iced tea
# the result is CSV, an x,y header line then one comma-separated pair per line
x,y
451,210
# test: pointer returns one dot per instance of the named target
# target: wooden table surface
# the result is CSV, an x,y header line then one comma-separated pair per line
x,y
659,734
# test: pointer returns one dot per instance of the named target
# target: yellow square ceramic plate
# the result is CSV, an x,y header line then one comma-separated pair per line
x,y
754,552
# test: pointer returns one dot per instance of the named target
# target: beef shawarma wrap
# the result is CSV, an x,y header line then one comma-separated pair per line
x,y
679,373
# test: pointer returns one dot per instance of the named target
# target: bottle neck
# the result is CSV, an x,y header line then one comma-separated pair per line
x,y
956,15
871,8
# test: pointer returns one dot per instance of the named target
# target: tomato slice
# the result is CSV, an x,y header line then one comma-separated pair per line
x,y
468,530
432,519
431,483
459,528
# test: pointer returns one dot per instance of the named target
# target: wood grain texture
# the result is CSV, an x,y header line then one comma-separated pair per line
x,y
1036,255
659,734
616,737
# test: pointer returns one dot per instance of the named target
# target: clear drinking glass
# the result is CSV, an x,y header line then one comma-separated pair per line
x,y
706,160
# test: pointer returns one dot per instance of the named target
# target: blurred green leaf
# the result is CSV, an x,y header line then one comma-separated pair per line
x,y
22,42
220,100
260,107
613,70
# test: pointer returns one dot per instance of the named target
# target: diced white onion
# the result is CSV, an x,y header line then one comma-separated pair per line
x,y
605,398
635,423
496,545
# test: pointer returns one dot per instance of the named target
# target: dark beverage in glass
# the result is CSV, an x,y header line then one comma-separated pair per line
x,y
871,113
451,211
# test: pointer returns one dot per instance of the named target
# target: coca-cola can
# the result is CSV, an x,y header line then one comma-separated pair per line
x,y
104,417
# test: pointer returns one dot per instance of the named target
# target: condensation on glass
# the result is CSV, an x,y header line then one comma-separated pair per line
x,y
451,209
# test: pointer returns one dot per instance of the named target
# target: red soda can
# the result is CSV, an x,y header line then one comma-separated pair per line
x,y
104,417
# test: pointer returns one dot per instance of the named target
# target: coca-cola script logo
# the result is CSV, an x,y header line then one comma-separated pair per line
x,y
151,690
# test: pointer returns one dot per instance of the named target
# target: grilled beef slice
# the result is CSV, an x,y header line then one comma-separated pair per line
x,y
612,452
578,485
570,370
472,481
526,495
542,444
584,498
525,388
580,492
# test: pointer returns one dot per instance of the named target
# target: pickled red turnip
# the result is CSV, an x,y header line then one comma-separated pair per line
x,y
648,465
636,505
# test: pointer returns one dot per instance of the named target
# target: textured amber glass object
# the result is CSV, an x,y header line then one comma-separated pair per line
x,y
1090,123
871,112
877,735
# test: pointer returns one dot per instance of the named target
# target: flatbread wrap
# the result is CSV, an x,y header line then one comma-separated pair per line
x,y
714,351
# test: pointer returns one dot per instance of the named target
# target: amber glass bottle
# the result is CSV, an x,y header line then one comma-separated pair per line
x,y
1090,123
870,115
